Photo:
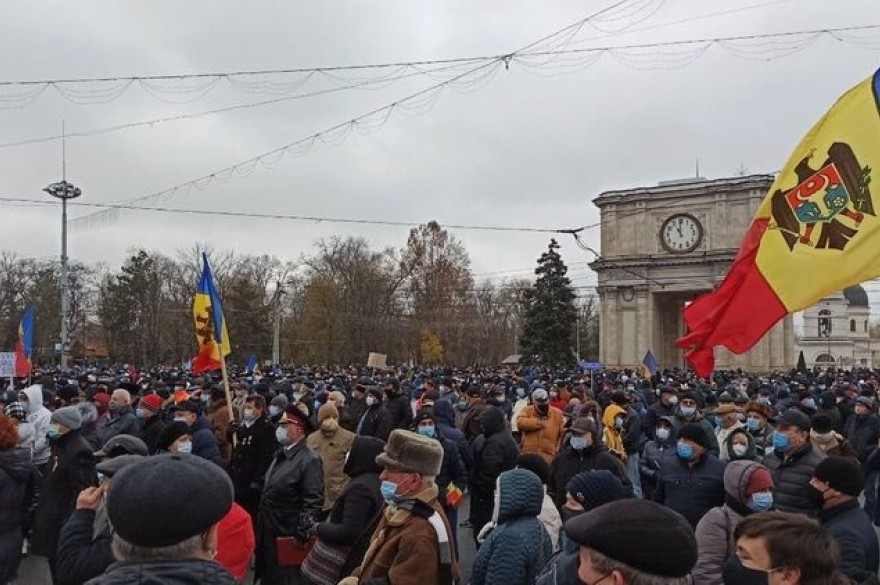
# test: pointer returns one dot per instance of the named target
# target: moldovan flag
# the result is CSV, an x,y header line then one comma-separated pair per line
x,y
815,233
24,347
211,334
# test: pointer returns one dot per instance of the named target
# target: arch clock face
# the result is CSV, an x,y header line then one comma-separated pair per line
x,y
681,233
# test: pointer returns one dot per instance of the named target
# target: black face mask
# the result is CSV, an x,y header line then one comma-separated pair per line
x,y
817,497
543,408
569,513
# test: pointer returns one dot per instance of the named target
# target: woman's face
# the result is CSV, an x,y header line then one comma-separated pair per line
x,y
175,446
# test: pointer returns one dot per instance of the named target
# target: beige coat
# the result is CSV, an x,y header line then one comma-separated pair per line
x,y
332,447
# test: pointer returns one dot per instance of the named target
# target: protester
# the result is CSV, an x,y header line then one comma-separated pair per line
x,y
375,420
73,470
748,489
517,546
255,446
549,515
236,542
122,445
291,501
343,538
652,453
827,440
444,417
354,407
614,421
219,417
471,424
837,483
89,427
691,480
541,427
412,541
728,422
159,536
397,405
204,443
175,438
792,463
689,413
495,452
16,469
31,398
331,442
862,430
757,422
665,407
121,419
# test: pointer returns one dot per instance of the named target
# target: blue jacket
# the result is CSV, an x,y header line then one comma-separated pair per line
x,y
690,491
517,549
444,415
204,442
854,533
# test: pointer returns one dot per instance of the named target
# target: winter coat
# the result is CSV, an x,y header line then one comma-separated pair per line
x,y
551,519
405,548
123,423
722,436
679,421
763,440
715,530
751,453
72,470
235,541
399,411
254,447
471,424
452,470
183,572
495,452
375,422
655,412
833,445
293,493
81,555
351,414
204,444
444,416
833,413
518,546
151,430
562,569
649,462
218,417
791,477
690,490
863,432
16,469
632,432
856,538
332,449
541,434
38,417
570,462
611,435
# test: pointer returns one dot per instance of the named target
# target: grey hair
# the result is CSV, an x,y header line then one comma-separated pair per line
x,y
605,565
126,395
191,548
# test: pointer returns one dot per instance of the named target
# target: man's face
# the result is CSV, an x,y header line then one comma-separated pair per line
x,y
292,427
590,576
118,400
188,417
408,484
752,553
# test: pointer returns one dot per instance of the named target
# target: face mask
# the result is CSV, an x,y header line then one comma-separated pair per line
x,y
739,449
543,408
25,405
817,497
688,411
520,393
499,399
753,424
809,403
685,451
274,410
578,443
185,447
371,400
53,432
181,419
663,433
761,501
618,423
205,398
389,491
674,400
101,477
462,405
281,436
249,415
140,413
781,442
427,431
764,400
569,513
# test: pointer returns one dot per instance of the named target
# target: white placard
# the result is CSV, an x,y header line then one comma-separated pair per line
x,y
7,364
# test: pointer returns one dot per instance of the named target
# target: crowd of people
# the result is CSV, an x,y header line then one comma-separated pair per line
x,y
351,476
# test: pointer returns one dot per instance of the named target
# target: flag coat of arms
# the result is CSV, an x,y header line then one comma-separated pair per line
x,y
211,334
816,232
24,346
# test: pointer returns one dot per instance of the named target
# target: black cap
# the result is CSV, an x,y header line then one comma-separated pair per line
x,y
164,500
639,533
842,474
696,433
795,418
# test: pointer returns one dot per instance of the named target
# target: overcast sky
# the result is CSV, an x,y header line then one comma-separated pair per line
x,y
525,149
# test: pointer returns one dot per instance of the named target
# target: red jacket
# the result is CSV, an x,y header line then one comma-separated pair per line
x,y
235,541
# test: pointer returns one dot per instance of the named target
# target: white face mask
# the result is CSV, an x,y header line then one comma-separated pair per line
x,y
739,449
371,400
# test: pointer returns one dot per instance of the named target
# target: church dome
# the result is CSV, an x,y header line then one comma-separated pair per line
x,y
856,296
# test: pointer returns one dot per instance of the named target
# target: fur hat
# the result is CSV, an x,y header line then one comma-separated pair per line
x,y
758,408
408,451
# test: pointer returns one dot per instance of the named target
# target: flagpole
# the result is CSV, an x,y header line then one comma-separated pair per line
x,y
228,393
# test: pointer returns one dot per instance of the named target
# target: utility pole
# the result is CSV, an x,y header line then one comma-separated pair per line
x,y
276,333
64,191
577,331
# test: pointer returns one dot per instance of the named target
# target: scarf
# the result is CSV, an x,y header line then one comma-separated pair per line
x,y
400,511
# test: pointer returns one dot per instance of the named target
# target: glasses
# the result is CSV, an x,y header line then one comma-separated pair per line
x,y
600,579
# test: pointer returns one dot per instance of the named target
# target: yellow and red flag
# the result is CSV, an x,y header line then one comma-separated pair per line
x,y
24,347
815,233
211,334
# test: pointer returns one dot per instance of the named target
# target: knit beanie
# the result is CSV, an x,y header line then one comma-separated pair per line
x,y
536,464
759,481
594,488
821,423
842,474
327,411
68,416
151,402
696,433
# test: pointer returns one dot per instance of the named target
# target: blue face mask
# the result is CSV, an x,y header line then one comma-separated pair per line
x,y
753,424
781,442
578,443
185,447
761,501
274,410
685,451
688,410
520,393
809,403
427,431
389,491
462,405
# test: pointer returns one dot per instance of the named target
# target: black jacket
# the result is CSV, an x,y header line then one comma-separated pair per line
x,y
351,414
863,432
204,443
444,416
569,462
690,491
251,457
854,533
74,470
375,422
495,452
80,557
151,431
126,423
453,469
399,411
791,478
189,572
16,469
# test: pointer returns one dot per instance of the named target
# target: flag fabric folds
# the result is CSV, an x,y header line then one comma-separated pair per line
x,y
211,334
251,363
650,363
816,232
24,347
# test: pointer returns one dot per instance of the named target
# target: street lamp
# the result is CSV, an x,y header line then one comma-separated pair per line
x,y
64,191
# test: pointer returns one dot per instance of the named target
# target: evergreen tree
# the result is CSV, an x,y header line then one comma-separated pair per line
x,y
550,321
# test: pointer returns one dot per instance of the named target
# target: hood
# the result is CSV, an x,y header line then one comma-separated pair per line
x,y
88,412
362,457
751,448
610,413
520,493
736,478
444,412
493,420
17,463
35,397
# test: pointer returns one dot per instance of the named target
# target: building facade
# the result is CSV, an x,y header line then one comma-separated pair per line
x,y
837,331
